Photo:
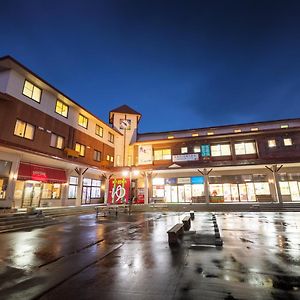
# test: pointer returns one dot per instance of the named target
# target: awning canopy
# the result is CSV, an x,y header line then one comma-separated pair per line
x,y
41,173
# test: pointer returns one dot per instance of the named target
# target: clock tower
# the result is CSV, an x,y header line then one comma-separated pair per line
x,y
125,120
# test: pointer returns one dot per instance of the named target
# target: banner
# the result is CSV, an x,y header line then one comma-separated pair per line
x,y
145,155
118,191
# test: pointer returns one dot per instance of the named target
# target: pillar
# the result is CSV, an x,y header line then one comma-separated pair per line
x,y
146,189
79,187
276,183
13,175
106,188
206,185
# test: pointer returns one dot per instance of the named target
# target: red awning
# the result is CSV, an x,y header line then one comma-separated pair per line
x,y
41,173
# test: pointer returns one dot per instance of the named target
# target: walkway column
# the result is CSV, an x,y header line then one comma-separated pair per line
x,y
106,189
275,170
80,173
205,174
146,176
65,188
12,183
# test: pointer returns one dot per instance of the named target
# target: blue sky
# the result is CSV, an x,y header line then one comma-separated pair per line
x,y
182,64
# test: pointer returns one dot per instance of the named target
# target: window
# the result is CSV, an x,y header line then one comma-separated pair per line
x,y
197,149
163,154
220,150
287,142
245,148
109,158
99,130
24,130
51,191
195,134
32,91
61,108
284,126
110,137
80,149
271,143
170,137
82,121
184,150
237,130
97,155
210,133
57,141
73,185
254,129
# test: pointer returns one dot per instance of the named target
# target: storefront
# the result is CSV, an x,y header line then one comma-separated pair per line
x,y
290,186
231,188
38,186
5,167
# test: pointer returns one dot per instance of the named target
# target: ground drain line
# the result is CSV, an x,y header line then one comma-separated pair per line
x,y
71,253
77,272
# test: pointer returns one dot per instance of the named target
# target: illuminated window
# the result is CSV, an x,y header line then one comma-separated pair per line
x,y
163,154
32,91
210,133
111,158
61,108
197,149
99,130
73,185
24,130
80,149
158,181
237,130
284,126
111,137
220,150
287,142
245,148
195,134
97,155
82,121
57,141
171,137
271,143
254,129
184,150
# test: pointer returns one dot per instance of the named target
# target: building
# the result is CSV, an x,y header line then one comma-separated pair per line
x,y
54,152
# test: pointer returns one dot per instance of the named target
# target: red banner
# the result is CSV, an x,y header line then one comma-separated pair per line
x,y
118,191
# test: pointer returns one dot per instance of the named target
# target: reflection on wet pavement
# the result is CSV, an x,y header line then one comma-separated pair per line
x,y
260,258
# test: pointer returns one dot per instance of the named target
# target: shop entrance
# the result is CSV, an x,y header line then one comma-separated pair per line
x,y
178,193
32,194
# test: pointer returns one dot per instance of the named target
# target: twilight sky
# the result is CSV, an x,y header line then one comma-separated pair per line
x,y
181,63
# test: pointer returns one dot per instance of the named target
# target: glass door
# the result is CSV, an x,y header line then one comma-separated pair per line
x,y
32,194
235,192
294,190
188,192
174,195
227,192
251,191
243,192
86,195
168,193
180,193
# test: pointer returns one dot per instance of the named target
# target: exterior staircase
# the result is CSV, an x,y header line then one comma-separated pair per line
x,y
22,221
67,211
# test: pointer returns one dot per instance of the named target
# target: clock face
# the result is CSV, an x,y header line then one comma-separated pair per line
x,y
125,124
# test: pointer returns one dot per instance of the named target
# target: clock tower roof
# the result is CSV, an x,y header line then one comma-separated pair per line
x,y
124,109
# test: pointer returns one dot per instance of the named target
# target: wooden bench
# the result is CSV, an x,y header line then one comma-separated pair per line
x,y
186,223
111,209
175,232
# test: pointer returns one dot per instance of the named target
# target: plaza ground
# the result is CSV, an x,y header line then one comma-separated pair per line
x,y
128,257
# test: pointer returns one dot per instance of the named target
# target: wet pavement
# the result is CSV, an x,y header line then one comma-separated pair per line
x,y
128,257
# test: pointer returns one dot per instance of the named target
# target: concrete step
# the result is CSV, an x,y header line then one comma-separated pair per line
x,y
27,226
28,222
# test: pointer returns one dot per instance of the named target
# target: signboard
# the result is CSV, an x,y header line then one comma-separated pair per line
x,y
118,190
205,150
185,157
171,180
183,180
140,196
145,155
197,180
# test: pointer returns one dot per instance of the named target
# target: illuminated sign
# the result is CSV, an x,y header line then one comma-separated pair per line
x,y
185,157
119,189
205,150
